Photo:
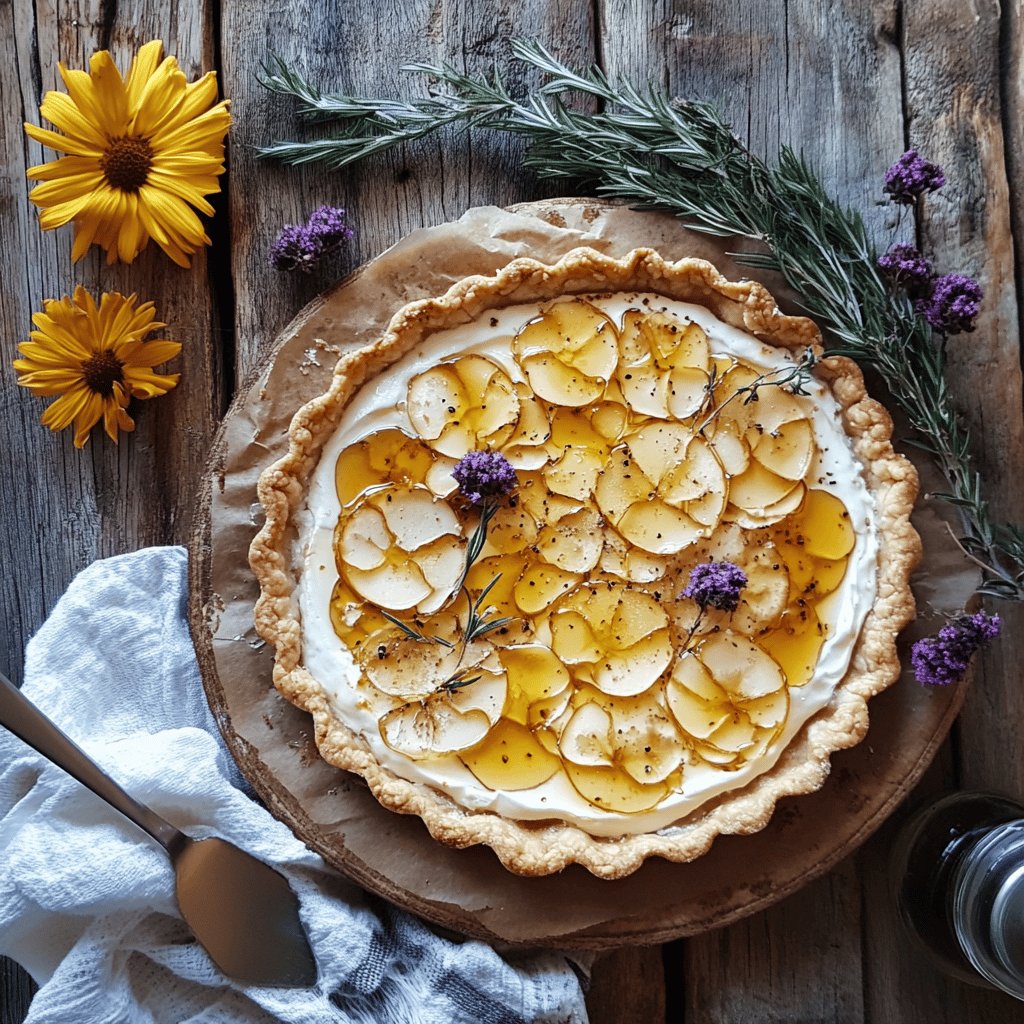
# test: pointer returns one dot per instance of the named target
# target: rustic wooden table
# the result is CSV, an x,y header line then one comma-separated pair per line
x,y
851,84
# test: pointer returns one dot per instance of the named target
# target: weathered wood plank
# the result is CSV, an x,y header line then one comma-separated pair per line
x,y
627,987
797,963
62,508
361,49
955,92
782,74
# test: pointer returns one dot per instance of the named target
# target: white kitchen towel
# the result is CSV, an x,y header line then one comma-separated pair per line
x,y
87,904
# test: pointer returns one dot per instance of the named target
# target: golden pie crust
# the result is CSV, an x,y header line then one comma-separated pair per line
x,y
540,848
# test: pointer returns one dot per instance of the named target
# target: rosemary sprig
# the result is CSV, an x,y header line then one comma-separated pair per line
x,y
663,154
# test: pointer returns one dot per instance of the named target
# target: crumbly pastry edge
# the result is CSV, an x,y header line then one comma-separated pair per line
x,y
535,848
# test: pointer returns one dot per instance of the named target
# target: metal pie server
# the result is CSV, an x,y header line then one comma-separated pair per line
x,y
243,912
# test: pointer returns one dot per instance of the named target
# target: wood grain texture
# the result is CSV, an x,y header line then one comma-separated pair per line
x,y
63,508
783,74
427,182
627,987
848,83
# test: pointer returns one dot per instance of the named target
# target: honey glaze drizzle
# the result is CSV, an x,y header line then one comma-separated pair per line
x,y
635,463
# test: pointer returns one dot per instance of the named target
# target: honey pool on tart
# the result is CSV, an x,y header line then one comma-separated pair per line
x,y
545,663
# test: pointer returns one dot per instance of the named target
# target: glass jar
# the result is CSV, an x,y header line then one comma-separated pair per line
x,y
958,873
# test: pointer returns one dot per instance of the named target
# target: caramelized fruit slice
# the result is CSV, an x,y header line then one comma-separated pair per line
x,y
569,352
574,474
586,738
621,633
796,644
468,404
662,365
824,526
648,745
739,666
511,758
614,789
788,450
659,528
810,578
573,543
353,620
540,586
385,456
535,676
400,548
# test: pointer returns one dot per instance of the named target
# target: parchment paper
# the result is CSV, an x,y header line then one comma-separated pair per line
x,y
468,890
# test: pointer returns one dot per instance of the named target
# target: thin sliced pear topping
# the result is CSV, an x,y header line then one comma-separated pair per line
x,y
758,488
614,789
687,391
796,644
415,517
648,745
573,543
620,634
385,456
573,639
587,736
788,450
464,405
569,352
434,727
439,477
511,758
659,528
511,531
645,390
696,716
401,666
395,587
365,538
535,675
526,446
659,447
739,666
629,672
811,578
575,473
621,484
619,558
541,585
731,448
697,473
823,525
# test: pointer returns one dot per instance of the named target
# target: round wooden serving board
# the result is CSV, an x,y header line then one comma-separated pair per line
x,y
393,855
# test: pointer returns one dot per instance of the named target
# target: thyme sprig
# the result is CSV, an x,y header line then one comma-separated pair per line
x,y
680,156
793,378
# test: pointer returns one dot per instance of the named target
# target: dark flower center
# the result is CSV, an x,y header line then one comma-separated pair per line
x,y
126,162
102,372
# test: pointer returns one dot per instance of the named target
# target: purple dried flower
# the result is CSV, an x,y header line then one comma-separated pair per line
x,y
953,303
294,249
300,247
943,659
912,176
327,223
717,584
907,268
484,475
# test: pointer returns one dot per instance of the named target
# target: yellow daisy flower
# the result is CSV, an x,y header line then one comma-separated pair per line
x,y
143,151
95,358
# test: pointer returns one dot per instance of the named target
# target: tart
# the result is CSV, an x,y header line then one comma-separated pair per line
x,y
482,558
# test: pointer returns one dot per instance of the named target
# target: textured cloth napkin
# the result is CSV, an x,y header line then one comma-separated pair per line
x,y
87,904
